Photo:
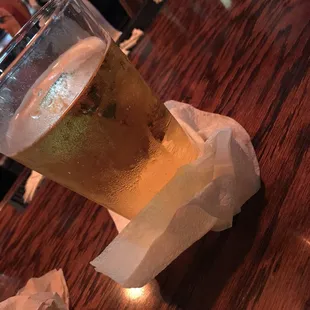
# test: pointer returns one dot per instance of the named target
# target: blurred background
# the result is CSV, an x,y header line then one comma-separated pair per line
x,y
115,14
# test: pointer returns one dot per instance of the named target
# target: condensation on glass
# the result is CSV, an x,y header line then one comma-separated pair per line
x,y
75,109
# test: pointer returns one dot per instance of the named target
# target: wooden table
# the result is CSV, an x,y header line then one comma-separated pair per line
x,y
250,62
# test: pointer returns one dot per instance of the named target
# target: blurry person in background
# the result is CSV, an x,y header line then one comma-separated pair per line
x,y
13,15
17,9
8,22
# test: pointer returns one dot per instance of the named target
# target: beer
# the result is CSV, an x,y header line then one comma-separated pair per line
x,y
92,124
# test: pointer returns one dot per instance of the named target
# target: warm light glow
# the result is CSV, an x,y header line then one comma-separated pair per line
x,y
134,293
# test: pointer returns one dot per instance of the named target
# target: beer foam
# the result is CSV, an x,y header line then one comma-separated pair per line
x,y
53,93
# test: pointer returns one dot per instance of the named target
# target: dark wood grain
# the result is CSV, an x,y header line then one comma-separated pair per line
x,y
250,62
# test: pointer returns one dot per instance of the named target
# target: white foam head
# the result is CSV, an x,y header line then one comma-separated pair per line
x,y
53,93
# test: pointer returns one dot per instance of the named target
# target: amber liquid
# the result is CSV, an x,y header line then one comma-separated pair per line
x,y
116,145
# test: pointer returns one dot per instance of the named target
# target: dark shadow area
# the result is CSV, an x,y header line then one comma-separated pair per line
x,y
199,274
9,172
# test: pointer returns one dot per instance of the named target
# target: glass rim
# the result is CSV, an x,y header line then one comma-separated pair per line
x,y
57,5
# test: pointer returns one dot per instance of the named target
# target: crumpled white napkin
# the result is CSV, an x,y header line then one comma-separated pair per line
x,y
202,196
48,292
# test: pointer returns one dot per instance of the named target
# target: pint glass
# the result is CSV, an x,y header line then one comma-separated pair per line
x,y
73,108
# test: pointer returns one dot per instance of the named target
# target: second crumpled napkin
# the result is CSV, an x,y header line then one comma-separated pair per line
x,y
49,292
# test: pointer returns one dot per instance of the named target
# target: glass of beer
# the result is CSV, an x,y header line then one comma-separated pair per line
x,y
73,108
